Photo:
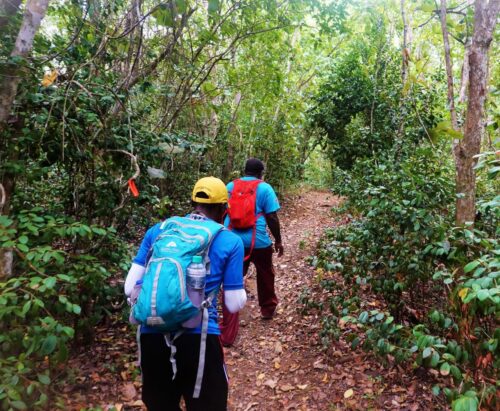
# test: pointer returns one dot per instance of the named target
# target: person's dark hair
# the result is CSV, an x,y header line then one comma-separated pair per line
x,y
208,207
254,167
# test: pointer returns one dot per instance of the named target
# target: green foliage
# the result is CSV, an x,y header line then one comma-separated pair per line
x,y
361,107
62,285
405,206
117,90
403,245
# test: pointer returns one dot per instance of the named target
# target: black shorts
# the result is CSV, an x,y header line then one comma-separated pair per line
x,y
161,393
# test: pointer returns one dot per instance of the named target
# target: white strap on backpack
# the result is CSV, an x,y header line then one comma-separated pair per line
x,y
203,343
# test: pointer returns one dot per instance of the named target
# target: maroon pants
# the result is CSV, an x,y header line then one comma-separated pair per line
x,y
262,258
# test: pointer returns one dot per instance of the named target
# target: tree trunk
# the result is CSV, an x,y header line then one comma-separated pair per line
x,y
405,60
33,15
406,44
229,165
464,82
6,255
449,67
485,17
35,12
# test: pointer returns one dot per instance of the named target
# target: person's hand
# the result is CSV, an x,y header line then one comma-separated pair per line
x,y
279,249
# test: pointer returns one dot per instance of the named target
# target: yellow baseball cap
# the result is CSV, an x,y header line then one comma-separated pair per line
x,y
209,190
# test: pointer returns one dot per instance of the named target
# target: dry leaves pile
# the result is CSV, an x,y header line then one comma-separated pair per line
x,y
274,365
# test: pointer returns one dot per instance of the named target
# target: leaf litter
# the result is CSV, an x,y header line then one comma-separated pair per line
x,y
274,365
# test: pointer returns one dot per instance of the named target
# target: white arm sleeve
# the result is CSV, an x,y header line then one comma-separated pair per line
x,y
235,300
134,274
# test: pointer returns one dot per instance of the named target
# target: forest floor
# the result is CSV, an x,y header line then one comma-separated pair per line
x,y
274,365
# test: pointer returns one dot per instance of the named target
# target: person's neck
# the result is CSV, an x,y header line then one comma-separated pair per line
x,y
204,213
259,177
199,212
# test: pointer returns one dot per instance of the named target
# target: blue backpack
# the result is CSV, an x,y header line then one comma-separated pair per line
x,y
163,302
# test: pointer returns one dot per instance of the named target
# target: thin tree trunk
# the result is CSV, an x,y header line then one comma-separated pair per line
x,y
464,83
485,17
405,51
449,67
405,59
12,75
228,166
35,12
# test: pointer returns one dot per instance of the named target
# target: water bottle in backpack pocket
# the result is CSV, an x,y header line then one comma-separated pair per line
x,y
195,284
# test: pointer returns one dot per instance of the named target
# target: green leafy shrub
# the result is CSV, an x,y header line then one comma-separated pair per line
x,y
60,285
404,207
439,282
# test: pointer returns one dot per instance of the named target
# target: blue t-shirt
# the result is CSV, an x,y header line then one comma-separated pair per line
x,y
266,202
226,268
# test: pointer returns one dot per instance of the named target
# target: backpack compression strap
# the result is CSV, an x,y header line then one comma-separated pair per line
x,y
203,343
254,233
204,329
173,350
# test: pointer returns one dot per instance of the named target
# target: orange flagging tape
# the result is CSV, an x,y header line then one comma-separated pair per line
x,y
133,188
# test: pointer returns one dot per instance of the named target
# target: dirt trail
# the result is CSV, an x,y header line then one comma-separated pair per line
x,y
276,365
273,365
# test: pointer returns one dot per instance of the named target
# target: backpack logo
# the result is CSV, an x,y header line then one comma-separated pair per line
x,y
171,244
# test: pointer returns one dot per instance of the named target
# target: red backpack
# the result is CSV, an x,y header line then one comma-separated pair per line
x,y
242,206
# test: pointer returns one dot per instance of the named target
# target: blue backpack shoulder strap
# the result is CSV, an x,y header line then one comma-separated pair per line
x,y
150,252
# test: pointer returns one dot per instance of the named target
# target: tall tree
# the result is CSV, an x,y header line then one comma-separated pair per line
x,y
406,43
485,17
33,15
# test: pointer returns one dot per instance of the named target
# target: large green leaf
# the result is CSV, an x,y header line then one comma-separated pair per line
x,y
465,403
213,6
49,345
163,16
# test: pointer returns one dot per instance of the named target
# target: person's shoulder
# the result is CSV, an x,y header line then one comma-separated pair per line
x,y
265,187
154,228
227,239
226,235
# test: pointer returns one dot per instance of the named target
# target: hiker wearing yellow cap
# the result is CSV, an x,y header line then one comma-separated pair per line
x,y
210,190
171,363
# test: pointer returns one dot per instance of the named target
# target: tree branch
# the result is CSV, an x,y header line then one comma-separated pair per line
x,y
3,198
134,163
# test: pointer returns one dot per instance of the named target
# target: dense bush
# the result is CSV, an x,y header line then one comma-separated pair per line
x,y
404,206
61,289
439,282
362,109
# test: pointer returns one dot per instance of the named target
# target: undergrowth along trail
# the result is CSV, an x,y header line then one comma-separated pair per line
x,y
282,364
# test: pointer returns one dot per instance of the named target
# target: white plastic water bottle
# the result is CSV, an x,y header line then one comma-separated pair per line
x,y
195,284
